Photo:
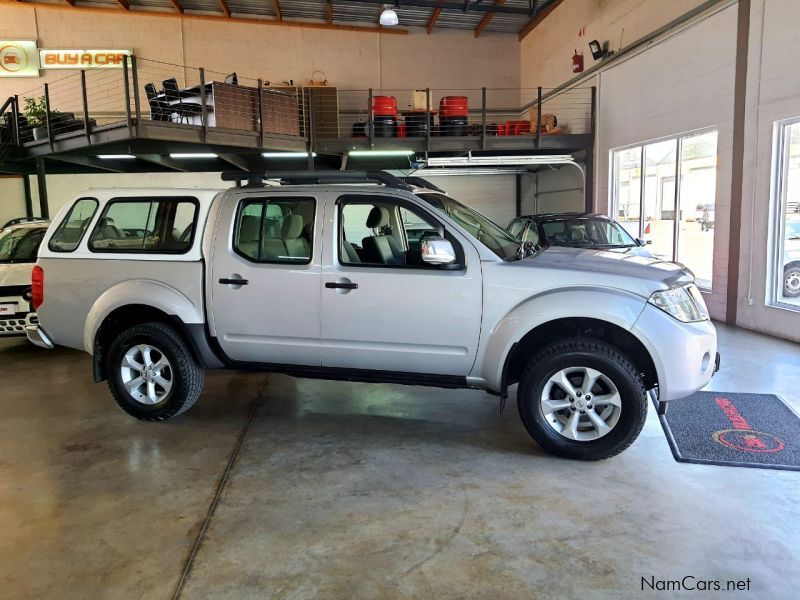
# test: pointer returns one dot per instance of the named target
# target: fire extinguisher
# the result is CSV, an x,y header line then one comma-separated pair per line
x,y
577,62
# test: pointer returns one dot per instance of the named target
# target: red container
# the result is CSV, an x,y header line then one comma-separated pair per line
x,y
520,127
401,130
502,129
384,106
454,106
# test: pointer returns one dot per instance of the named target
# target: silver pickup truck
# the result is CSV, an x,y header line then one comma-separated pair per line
x,y
360,276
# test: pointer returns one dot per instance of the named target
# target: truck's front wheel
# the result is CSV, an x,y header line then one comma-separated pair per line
x,y
582,398
152,373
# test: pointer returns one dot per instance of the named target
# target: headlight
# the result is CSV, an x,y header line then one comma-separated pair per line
x,y
684,303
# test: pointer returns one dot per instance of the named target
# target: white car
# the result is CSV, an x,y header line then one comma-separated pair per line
x,y
360,276
791,258
19,245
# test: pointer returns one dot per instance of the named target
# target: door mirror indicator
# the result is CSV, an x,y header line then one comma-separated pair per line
x,y
437,251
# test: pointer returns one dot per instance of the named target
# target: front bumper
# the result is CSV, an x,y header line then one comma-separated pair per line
x,y
38,337
685,354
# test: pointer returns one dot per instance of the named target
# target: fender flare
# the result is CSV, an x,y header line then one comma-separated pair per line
x,y
139,291
610,305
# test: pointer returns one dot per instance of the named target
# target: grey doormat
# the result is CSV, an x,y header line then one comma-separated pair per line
x,y
733,429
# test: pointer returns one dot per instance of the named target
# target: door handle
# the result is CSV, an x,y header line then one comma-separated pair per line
x,y
335,285
234,281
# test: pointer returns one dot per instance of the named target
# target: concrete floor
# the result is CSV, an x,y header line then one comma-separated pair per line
x,y
344,490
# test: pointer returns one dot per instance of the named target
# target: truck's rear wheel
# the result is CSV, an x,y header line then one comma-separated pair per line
x,y
152,373
582,398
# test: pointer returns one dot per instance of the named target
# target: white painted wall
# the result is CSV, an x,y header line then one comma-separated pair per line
x,y
61,189
679,85
493,195
546,54
12,198
773,94
553,190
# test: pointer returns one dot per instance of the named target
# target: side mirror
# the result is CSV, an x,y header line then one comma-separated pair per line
x,y
437,251
643,242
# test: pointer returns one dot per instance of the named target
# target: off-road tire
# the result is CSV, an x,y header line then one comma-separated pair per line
x,y
598,355
188,376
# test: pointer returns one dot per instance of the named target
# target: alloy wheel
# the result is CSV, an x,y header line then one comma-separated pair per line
x,y
146,374
581,403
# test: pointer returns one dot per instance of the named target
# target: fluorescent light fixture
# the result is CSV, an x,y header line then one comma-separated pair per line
x,y
389,17
288,154
197,155
115,156
487,161
380,152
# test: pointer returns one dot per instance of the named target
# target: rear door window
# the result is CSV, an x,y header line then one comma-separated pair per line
x,y
149,225
70,231
275,230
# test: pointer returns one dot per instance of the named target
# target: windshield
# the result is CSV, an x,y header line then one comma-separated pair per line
x,y
587,233
20,245
489,233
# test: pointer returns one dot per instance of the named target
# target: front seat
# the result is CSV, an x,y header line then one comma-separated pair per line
x,y
577,234
296,246
380,248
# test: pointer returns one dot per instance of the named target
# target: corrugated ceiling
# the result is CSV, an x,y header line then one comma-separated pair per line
x,y
348,11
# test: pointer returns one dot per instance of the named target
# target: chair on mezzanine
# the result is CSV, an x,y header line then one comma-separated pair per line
x,y
160,110
183,109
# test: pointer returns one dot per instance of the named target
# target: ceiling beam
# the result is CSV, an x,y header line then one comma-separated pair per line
x,y
86,161
330,11
537,19
178,6
487,18
278,11
163,160
223,4
70,2
215,18
124,4
434,16
234,160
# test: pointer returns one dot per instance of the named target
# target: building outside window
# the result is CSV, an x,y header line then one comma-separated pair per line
x,y
644,197
786,217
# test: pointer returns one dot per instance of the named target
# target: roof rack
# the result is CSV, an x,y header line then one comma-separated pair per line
x,y
316,177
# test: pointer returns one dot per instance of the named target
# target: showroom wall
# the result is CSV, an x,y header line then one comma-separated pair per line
x,y
665,91
546,53
552,189
773,90
12,198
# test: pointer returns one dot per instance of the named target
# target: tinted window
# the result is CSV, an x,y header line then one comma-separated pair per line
x,y
516,228
531,234
279,230
69,233
157,225
586,233
20,245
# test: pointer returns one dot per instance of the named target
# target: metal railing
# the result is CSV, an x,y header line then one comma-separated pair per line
x,y
146,91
